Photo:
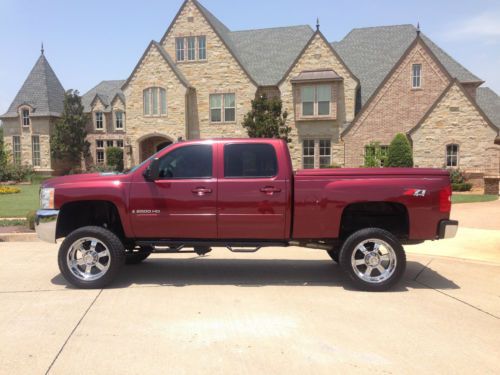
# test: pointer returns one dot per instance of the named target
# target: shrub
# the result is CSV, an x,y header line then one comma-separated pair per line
x,y
30,219
399,153
457,176
463,186
9,190
114,156
16,172
375,155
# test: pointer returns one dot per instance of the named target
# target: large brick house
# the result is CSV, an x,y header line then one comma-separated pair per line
x,y
199,79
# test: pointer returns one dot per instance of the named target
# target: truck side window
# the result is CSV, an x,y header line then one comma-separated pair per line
x,y
247,160
187,162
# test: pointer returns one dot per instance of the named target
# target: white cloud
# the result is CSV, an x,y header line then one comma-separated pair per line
x,y
484,26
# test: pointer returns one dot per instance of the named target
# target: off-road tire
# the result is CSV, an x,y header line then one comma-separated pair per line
x,y
356,239
116,256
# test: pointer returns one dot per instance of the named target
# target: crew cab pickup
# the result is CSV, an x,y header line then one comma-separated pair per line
x,y
242,194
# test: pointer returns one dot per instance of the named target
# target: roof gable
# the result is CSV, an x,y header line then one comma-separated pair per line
x,y
41,90
104,91
454,83
416,41
372,52
180,76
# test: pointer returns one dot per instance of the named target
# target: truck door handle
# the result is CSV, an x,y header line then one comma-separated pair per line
x,y
201,191
270,190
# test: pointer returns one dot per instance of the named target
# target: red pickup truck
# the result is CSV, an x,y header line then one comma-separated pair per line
x,y
242,194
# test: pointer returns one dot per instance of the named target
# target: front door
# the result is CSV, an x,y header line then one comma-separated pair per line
x,y
253,196
181,204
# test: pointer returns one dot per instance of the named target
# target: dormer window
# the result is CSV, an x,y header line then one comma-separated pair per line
x,y
416,77
99,120
119,120
316,100
26,117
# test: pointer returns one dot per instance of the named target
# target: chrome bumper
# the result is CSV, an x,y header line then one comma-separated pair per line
x,y
447,229
46,225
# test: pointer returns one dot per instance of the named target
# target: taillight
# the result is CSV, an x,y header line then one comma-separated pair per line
x,y
445,199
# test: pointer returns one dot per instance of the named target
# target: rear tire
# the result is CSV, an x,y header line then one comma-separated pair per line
x,y
91,257
373,258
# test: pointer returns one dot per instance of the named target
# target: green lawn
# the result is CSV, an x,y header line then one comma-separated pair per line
x,y
472,198
18,205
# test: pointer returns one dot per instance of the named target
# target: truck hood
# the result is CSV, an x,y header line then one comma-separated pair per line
x,y
88,177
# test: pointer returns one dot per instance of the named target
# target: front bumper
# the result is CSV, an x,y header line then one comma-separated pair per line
x,y
46,225
447,229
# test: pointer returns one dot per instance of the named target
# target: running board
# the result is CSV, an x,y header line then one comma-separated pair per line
x,y
179,244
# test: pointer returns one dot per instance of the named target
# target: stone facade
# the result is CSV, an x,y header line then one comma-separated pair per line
x,y
39,126
220,73
153,71
396,107
319,55
444,126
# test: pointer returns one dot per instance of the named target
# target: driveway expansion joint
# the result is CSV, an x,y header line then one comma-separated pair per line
x,y
72,332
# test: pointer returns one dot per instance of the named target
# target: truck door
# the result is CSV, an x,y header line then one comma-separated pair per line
x,y
252,192
181,203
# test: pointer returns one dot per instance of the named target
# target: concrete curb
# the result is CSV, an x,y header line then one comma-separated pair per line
x,y
18,237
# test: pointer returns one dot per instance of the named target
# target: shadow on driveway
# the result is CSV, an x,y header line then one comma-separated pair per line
x,y
253,273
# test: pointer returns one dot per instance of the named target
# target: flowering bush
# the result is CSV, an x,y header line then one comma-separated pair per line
x,y
9,190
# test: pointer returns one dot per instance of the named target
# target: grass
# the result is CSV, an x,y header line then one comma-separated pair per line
x,y
472,198
18,205
12,223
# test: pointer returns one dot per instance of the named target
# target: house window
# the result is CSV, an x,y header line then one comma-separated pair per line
x,y
316,100
179,49
26,117
16,149
222,107
185,48
452,155
109,143
99,152
308,153
191,44
325,153
202,48
99,120
155,101
35,150
119,120
416,78
119,143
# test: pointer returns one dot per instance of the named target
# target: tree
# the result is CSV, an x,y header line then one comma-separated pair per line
x,y
68,140
3,153
400,154
266,119
114,157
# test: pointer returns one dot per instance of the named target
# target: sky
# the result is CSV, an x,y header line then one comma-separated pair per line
x,y
94,40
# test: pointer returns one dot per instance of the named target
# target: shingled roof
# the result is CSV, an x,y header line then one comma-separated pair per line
x,y
489,102
41,90
106,91
373,51
264,54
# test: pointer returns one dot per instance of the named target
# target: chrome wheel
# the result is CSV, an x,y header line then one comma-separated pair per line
x,y
373,260
88,259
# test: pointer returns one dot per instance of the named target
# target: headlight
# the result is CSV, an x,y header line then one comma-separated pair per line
x,y
47,198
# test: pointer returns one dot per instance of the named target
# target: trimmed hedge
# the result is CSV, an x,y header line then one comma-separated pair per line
x,y
30,219
461,186
399,154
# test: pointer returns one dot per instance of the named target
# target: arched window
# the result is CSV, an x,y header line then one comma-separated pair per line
x,y
452,155
155,101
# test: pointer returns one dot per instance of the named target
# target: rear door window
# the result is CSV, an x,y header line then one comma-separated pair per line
x,y
247,160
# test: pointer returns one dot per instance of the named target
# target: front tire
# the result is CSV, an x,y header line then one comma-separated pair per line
x,y
91,257
373,258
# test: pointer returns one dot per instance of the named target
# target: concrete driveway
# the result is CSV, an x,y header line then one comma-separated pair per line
x,y
279,311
